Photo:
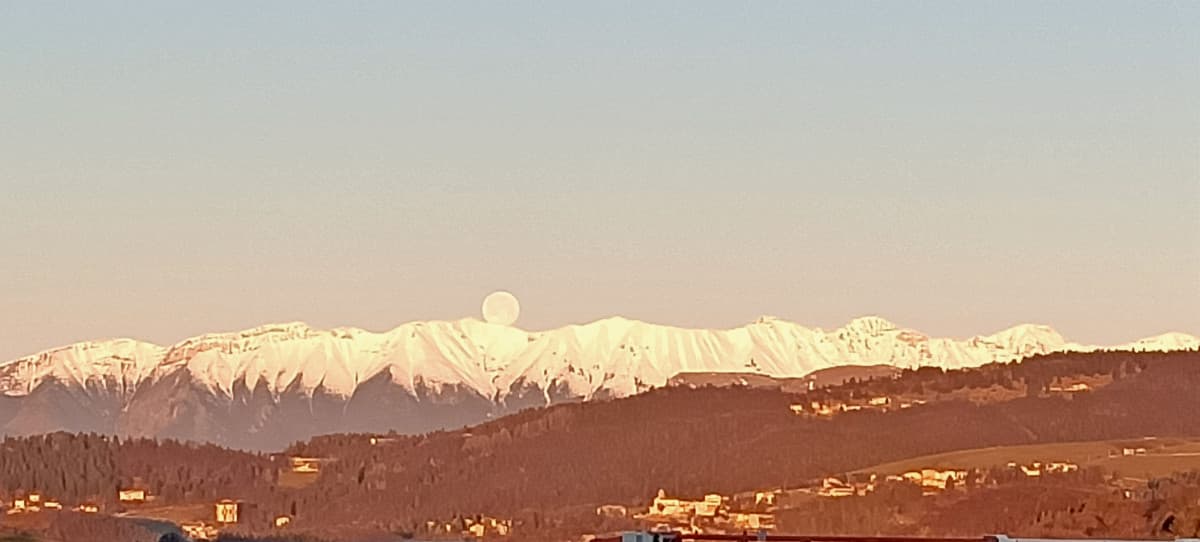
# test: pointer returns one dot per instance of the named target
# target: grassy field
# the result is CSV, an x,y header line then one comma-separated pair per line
x,y
174,514
16,538
296,480
1163,456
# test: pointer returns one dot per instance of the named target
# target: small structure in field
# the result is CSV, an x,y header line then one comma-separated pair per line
x,y
282,521
308,465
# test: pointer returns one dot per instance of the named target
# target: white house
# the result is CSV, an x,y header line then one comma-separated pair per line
x,y
227,511
131,495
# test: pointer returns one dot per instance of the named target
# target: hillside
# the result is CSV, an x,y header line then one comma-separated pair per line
x,y
547,469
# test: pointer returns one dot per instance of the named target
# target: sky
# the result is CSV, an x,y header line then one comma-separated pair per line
x,y
174,168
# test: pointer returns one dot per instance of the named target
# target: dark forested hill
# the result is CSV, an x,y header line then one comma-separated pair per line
x,y
550,463
692,441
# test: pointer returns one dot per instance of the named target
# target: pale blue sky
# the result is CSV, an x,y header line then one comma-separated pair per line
x,y
169,169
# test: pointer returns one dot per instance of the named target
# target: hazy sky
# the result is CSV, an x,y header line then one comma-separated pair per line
x,y
169,169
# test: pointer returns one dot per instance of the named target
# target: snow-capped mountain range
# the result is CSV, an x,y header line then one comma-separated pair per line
x,y
267,386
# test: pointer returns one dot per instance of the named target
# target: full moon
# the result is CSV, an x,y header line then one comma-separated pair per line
x,y
501,308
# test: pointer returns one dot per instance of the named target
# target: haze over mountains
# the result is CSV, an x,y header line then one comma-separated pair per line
x,y
265,387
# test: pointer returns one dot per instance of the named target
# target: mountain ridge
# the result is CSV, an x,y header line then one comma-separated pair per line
x,y
291,380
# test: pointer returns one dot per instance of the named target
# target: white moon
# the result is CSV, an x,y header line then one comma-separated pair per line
x,y
501,308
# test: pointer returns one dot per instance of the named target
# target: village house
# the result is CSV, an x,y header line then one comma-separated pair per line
x,y
282,521
665,506
669,506
52,505
485,525
131,495
1075,387
1061,467
612,511
227,511
935,479
19,504
754,521
89,508
34,498
816,407
764,498
832,487
197,530
502,527
709,506
879,401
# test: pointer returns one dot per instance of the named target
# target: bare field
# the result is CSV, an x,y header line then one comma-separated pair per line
x,y
1163,456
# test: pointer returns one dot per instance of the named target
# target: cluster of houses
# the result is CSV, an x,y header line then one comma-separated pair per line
x,y
829,408
1037,468
931,481
37,502
709,514
33,502
1130,452
478,527
226,512
199,530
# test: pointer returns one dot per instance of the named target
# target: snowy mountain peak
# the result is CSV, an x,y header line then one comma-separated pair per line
x,y
612,356
1165,342
272,384
870,325
117,366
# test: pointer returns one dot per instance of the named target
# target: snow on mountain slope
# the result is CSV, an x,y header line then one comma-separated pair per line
x,y
276,383
615,356
467,352
1164,343
622,357
117,367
